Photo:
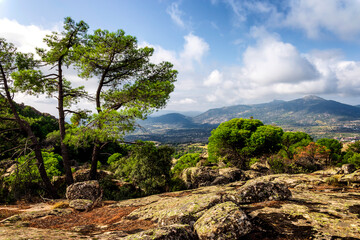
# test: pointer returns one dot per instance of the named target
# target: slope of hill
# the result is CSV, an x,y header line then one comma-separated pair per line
x,y
307,111
314,115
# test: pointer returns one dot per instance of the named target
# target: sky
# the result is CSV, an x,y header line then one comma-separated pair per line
x,y
227,52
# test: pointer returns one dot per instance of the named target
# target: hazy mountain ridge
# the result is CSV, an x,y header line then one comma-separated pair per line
x,y
303,111
304,114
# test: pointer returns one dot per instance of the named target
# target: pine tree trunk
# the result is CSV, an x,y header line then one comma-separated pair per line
x,y
94,160
64,150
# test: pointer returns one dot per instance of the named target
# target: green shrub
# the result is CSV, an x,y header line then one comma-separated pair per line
x,y
277,164
147,166
112,191
177,184
238,140
186,161
354,159
114,158
26,179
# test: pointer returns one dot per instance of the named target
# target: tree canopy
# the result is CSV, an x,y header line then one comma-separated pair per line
x,y
236,140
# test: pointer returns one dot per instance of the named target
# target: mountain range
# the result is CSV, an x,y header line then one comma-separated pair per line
x,y
310,114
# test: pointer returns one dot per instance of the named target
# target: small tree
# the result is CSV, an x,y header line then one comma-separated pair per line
x,y
11,61
292,140
237,140
147,166
334,146
59,54
312,156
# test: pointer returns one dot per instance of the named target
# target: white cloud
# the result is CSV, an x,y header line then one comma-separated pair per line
x,y
195,48
186,101
175,14
26,38
215,78
340,17
272,60
272,67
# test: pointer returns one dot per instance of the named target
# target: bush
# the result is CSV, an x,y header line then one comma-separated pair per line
x,y
186,161
26,180
278,164
354,159
112,191
147,166
237,140
177,184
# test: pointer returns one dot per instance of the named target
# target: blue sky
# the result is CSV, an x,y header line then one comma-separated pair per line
x,y
227,52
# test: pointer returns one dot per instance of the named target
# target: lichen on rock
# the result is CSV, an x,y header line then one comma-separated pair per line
x,y
223,221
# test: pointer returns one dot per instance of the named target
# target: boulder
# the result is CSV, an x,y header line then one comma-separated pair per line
x,y
228,175
348,168
260,167
84,190
83,175
179,210
259,191
351,178
171,232
223,221
252,174
81,204
195,177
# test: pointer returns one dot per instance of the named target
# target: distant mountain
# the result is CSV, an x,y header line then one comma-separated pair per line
x,y
177,119
317,116
308,110
185,113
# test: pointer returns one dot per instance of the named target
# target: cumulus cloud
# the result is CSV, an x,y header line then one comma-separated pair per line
x,y
272,67
341,17
272,60
214,79
26,38
185,101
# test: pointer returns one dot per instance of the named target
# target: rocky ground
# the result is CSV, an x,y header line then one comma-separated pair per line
x,y
302,206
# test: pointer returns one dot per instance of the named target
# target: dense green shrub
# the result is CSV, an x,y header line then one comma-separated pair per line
x,y
146,166
176,184
26,179
279,164
335,149
117,192
186,161
237,140
291,141
354,159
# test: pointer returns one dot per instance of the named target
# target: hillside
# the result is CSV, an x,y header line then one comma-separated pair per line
x,y
314,115
304,112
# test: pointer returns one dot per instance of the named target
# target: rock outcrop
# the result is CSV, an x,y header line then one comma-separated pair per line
x,y
195,177
83,196
223,221
170,232
84,190
259,191
283,206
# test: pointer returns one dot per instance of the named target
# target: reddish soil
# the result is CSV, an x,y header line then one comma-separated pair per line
x,y
109,216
